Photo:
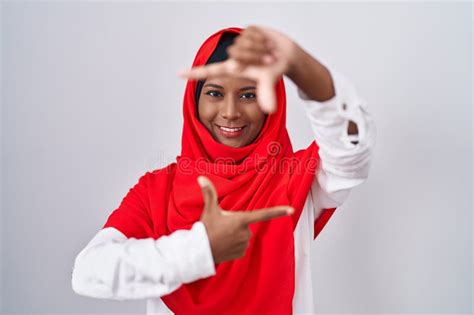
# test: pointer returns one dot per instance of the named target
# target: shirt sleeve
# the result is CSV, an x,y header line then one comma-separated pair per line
x,y
113,266
344,159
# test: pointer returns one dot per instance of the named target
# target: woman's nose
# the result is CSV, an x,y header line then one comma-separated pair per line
x,y
230,109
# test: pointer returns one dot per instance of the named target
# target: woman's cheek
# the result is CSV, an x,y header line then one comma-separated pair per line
x,y
254,113
207,112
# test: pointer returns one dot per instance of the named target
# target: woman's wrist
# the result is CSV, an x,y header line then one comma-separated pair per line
x,y
313,78
295,60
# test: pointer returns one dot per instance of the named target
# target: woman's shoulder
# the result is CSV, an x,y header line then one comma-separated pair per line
x,y
168,169
159,175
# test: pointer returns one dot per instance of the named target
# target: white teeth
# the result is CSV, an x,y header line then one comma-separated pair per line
x,y
230,129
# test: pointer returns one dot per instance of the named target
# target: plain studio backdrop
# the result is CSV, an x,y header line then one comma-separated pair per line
x,y
91,101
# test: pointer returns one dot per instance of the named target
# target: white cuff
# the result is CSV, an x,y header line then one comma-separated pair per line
x,y
193,257
329,121
345,106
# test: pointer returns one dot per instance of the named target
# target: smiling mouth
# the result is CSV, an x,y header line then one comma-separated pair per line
x,y
230,132
230,129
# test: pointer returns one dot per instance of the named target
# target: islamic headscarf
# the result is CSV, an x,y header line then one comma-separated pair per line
x,y
262,174
219,55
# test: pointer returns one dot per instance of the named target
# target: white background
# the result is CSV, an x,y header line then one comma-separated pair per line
x,y
90,102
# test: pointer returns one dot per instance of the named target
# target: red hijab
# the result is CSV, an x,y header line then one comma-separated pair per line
x,y
262,174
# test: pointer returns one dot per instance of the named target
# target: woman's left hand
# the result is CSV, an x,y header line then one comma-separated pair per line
x,y
258,53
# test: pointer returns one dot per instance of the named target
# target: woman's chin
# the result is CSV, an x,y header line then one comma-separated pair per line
x,y
234,144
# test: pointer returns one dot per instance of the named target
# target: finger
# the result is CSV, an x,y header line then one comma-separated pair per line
x,y
206,71
255,32
249,43
259,33
266,214
226,212
266,93
235,50
209,193
203,72
247,232
246,56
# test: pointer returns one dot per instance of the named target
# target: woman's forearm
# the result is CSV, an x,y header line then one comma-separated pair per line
x,y
314,79
311,76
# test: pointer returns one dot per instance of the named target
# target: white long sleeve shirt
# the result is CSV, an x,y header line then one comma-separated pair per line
x,y
112,266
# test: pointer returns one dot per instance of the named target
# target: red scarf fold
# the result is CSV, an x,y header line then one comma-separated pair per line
x,y
263,174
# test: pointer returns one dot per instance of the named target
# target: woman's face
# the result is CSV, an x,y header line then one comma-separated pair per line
x,y
228,108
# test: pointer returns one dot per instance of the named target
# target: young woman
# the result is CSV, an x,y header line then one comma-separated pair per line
x,y
227,228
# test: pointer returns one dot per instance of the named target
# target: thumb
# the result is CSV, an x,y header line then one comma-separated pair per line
x,y
266,94
209,194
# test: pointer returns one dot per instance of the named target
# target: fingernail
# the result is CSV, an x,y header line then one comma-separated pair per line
x,y
201,181
181,73
290,210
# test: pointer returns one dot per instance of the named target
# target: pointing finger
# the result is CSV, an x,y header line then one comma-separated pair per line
x,y
206,71
266,214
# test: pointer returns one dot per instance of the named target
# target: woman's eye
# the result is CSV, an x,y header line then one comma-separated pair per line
x,y
214,93
249,95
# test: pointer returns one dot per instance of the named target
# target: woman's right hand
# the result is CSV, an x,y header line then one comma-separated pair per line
x,y
258,53
228,231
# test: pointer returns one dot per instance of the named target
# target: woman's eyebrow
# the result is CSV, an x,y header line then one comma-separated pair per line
x,y
245,88
213,85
